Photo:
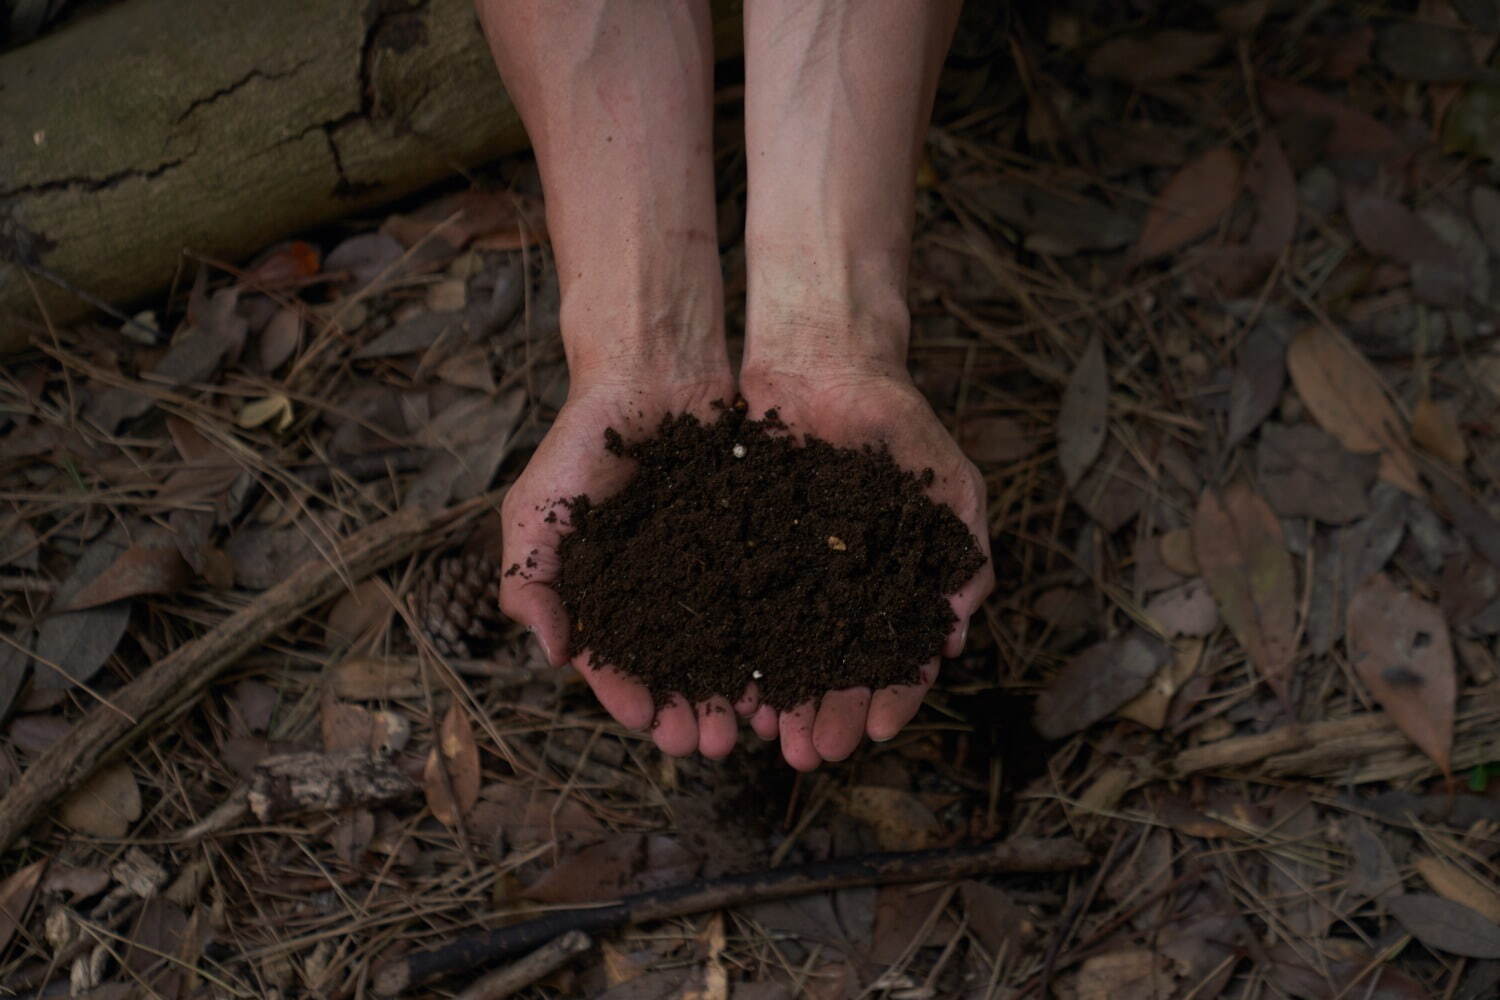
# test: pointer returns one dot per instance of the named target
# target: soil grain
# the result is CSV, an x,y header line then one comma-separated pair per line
x,y
736,554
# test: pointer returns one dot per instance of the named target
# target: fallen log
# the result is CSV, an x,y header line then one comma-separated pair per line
x,y
154,127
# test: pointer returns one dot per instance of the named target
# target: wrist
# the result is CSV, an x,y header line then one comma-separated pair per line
x,y
825,317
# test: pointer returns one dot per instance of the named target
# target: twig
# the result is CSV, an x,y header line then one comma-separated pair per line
x,y
543,962
1369,739
173,684
1018,855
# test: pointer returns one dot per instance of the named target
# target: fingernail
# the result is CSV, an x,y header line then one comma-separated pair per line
x,y
963,636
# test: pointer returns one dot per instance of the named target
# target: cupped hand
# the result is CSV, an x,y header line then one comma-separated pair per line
x,y
851,409
571,460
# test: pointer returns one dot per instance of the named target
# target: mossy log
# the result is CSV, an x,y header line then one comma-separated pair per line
x,y
158,126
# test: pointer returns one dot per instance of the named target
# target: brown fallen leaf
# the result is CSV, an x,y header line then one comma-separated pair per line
x,y
1269,177
900,820
364,678
1150,707
623,864
1305,472
451,777
280,339
1349,401
996,439
1186,609
1453,883
151,565
1191,204
1444,925
1160,55
1399,647
106,805
1351,133
15,896
1177,552
1244,559
1082,420
364,608
1435,428
1123,975
1096,682
1259,375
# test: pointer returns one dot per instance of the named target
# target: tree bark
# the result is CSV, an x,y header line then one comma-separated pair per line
x,y
162,125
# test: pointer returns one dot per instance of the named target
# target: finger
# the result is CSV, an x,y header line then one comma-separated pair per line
x,y
717,728
766,722
840,722
676,728
537,606
623,697
749,701
797,738
892,708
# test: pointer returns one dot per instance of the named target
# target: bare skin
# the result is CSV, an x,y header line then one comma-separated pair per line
x,y
616,97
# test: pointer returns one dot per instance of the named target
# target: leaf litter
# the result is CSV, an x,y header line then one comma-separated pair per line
x,y
1252,318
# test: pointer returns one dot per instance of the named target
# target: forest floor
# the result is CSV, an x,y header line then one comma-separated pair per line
x,y
1207,291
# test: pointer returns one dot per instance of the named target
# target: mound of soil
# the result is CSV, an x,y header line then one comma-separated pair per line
x,y
736,554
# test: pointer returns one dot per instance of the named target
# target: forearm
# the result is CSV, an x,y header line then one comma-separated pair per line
x,y
838,97
617,99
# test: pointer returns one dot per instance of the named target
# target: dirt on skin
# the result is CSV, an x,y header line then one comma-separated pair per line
x,y
736,554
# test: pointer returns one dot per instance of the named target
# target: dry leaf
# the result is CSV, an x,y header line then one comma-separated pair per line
x,y
1096,682
451,777
624,864
1421,50
1154,57
995,440
1150,707
1186,609
1082,421
1434,427
1177,552
1349,401
275,407
1259,374
364,678
357,611
349,727
1351,133
281,338
1443,925
1124,975
1191,204
15,896
1399,647
1305,472
1240,549
153,565
1269,177
15,667
900,821
106,805
1453,883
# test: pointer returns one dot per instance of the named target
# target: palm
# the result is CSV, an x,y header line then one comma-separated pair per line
x,y
570,461
854,411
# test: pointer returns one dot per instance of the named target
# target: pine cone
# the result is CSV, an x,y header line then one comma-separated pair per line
x,y
456,602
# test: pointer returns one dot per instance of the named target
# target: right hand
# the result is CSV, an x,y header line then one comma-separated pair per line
x,y
570,461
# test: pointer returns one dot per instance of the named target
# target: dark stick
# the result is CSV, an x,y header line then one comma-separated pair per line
x,y
946,864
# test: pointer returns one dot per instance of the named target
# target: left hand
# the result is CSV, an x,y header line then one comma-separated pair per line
x,y
850,409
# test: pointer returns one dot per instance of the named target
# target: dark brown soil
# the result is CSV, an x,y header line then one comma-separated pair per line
x,y
736,554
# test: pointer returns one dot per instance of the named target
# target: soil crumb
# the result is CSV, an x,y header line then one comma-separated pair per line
x,y
736,554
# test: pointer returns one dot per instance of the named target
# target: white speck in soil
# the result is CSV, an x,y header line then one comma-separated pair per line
x,y
756,674
739,451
